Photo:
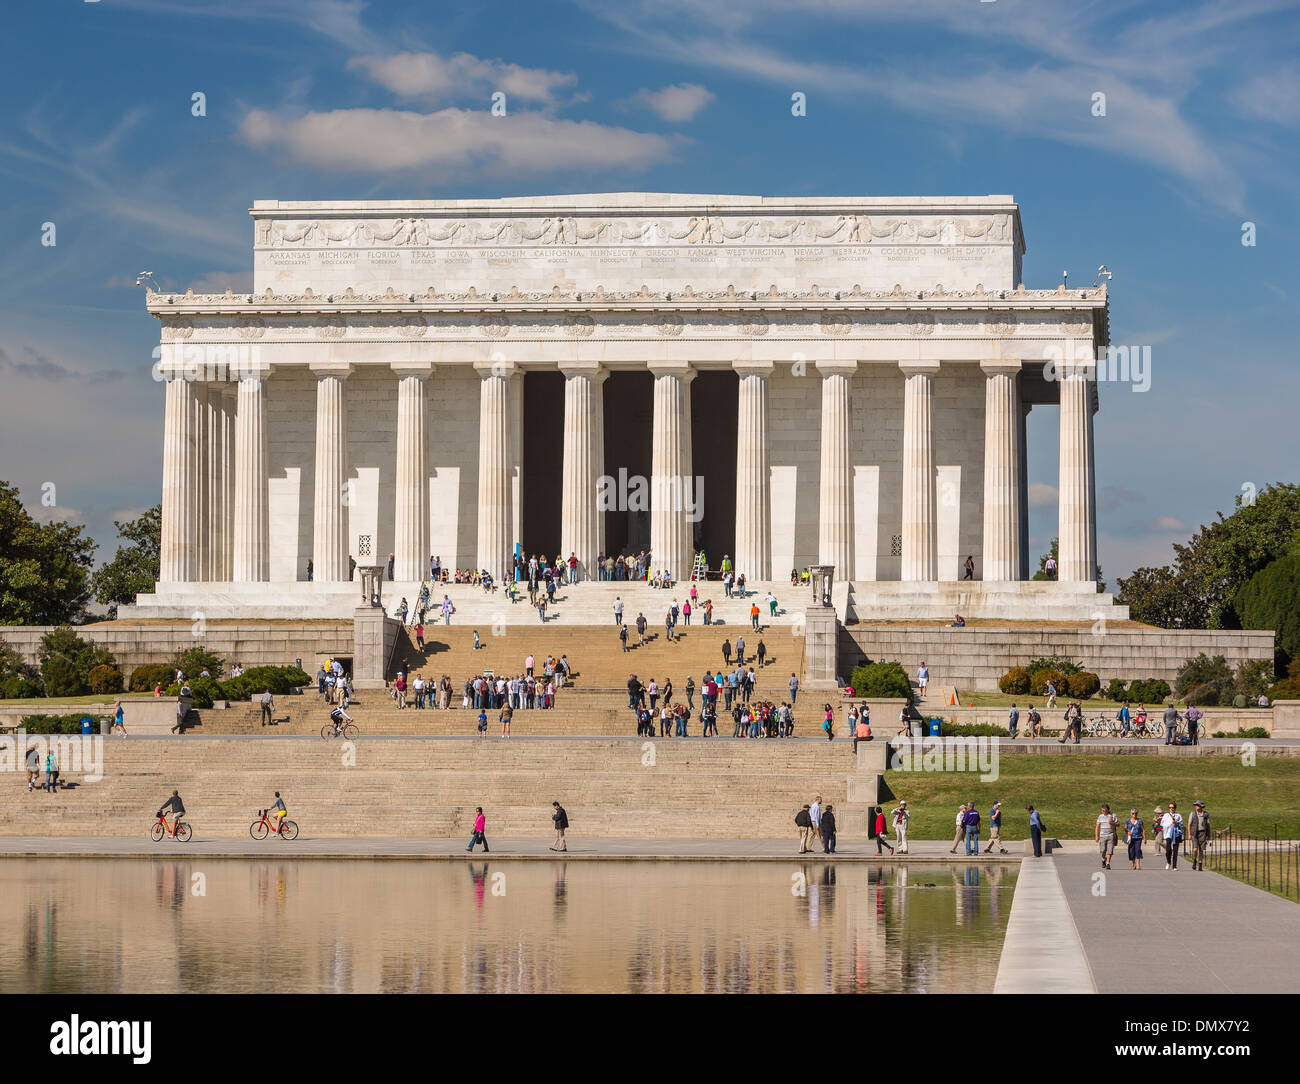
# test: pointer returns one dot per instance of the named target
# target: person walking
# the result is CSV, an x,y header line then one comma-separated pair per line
x,y
760,653
1133,832
740,651
1172,827
726,652
803,821
960,834
618,611
995,830
922,679
641,624
972,825
1198,833
690,693
794,689
268,705
51,772
622,636
119,723
815,815
828,830
901,817
1051,694
1104,835
882,831
753,616
1036,829
561,821
1193,717
1013,721
480,823
507,713
33,767
1158,838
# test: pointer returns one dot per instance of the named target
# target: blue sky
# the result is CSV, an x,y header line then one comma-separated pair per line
x,y
336,99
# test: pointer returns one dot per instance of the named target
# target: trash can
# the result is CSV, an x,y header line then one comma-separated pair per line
x,y
918,727
87,724
936,727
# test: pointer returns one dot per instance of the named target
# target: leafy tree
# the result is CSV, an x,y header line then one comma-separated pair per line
x,y
193,661
44,567
1197,590
1268,601
67,660
1205,670
134,568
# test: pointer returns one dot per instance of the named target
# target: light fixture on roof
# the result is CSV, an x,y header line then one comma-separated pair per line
x,y
1103,272
146,279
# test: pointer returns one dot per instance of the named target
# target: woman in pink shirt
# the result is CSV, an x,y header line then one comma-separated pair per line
x,y
478,837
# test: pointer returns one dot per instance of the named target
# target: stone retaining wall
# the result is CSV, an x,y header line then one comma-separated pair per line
x,y
252,643
975,657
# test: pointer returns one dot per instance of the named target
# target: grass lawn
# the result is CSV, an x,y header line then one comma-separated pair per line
x,y
1276,873
41,705
1068,792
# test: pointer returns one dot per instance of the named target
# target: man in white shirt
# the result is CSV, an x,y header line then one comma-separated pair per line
x,y
1171,828
922,678
618,610
900,818
815,815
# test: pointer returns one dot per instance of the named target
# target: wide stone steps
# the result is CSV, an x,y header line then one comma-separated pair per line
x,y
679,789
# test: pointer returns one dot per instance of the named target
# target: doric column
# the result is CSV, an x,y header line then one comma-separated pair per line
x,y
753,487
251,542
920,551
495,501
835,544
1002,416
672,481
584,459
202,481
411,511
329,553
216,432
1077,558
177,550
1023,482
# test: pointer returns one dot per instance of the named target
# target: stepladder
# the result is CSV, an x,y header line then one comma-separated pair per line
x,y
699,570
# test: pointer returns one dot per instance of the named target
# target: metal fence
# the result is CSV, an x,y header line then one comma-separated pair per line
x,y
1267,862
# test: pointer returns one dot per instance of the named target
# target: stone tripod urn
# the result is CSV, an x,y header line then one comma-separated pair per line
x,y
372,578
821,577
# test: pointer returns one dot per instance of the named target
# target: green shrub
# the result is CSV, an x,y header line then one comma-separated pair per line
x,y
193,661
145,678
202,689
1205,670
1249,732
58,724
1253,677
1204,696
279,679
1284,690
881,679
15,687
236,688
106,680
1015,682
1148,691
62,676
1057,663
1038,680
973,730
1084,684
1116,690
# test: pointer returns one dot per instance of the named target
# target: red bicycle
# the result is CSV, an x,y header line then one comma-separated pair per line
x,y
262,828
180,831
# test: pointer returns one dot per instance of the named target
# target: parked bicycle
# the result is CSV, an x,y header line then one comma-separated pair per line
x,y
1099,727
180,831
263,827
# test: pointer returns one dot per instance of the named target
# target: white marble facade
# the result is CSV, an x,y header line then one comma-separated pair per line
x,y
367,397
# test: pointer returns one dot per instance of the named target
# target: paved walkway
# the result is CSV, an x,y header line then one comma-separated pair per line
x,y
1042,953
927,852
1167,932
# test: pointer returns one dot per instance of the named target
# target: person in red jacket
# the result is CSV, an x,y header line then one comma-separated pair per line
x,y
480,824
882,831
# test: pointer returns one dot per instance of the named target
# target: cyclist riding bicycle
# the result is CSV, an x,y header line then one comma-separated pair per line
x,y
339,717
279,812
175,806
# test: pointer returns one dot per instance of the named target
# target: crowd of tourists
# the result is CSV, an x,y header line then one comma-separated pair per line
x,y
653,704
527,690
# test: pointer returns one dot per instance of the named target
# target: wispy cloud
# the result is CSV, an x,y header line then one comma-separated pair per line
x,y
452,141
1166,525
31,364
434,79
676,104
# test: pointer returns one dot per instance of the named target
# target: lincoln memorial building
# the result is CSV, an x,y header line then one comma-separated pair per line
x,y
788,381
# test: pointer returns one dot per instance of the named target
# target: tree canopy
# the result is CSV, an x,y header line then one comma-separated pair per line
x,y
134,568
1198,590
44,567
